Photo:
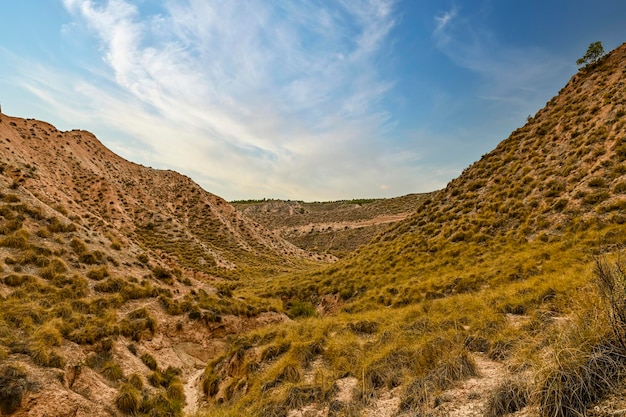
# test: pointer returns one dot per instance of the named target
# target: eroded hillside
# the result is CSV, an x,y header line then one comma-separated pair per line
x,y
117,280
162,210
338,227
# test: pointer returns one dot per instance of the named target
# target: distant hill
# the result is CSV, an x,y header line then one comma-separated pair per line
x,y
337,227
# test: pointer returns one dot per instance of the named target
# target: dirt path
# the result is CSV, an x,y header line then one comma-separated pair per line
x,y
341,225
192,390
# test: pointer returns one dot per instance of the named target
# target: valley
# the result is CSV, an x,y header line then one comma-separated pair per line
x,y
126,290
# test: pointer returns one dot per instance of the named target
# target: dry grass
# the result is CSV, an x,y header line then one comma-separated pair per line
x,y
511,395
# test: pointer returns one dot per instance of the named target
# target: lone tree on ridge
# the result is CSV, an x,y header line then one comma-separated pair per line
x,y
594,53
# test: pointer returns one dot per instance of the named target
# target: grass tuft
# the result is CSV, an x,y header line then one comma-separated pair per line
x,y
509,396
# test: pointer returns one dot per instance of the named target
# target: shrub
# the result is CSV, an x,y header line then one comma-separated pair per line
x,y
49,334
176,392
92,258
620,187
112,371
578,382
597,182
508,397
274,351
155,379
136,322
11,198
159,405
132,348
17,280
453,367
15,241
111,285
127,400
149,361
300,396
55,226
595,198
13,385
170,376
582,375
301,309
98,274
363,327
78,246
210,384
161,273
611,280
135,381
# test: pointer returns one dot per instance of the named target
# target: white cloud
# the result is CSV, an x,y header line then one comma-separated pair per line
x,y
250,98
443,21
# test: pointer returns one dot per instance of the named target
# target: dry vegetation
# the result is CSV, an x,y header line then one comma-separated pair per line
x,y
337,227
127,290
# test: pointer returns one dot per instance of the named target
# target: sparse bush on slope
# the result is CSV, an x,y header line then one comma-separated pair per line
x,y
591,359
13,385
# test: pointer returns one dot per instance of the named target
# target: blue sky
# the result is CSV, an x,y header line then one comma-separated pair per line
x,y
302,99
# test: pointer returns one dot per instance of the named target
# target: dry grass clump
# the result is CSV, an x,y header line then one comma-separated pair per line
x,y
210,384
13,385
128,399
136,381
454,366
509,396
98,274
579,380
590,358
112,371
149,361
136,323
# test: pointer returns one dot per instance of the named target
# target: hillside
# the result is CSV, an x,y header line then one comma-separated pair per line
x,y
116,279
500,270
161,210
337,227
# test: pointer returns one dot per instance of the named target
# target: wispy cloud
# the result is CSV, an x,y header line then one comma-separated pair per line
x,y
251,98
510,74
442,22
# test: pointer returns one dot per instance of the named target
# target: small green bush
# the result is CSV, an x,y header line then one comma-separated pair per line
x,y
301,309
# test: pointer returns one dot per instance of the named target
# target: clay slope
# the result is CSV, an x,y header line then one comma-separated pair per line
x,y
338,227
116,280
161,210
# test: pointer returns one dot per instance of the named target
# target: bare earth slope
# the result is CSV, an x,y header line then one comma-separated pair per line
x,y
116,279
337,227
162,210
